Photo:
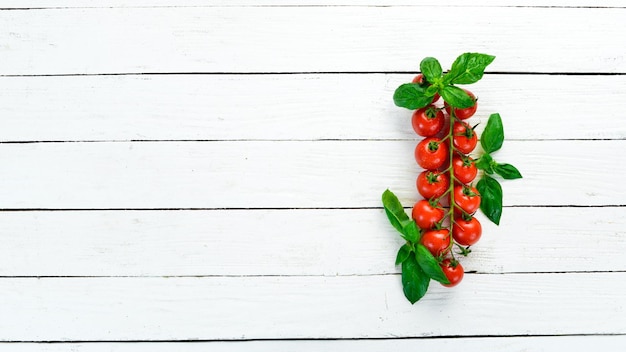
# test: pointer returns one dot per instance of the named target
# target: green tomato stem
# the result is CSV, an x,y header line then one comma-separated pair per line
x,y
450,190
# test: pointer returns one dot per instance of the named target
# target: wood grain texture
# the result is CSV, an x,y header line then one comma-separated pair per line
x,y
295,307
292,242
530,343
327,174
62,4
248,209
300,107
309,39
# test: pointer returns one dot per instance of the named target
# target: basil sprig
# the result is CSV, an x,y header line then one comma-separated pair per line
x,y
489,188
468,68
419,266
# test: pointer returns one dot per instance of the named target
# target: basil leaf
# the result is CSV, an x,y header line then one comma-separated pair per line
x,y
493,135
485,163
430,265
403,253
414,280
468,68
491,198
507,171
431,69
457,97
398,218
410,231
411,96
395,211
430,91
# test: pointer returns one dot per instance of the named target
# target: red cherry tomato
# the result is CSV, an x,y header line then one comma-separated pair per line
x,y
464,138
427,121
453,271
437,241
431,184
464,169
419,79
467,198
466,232
431,153
425,215
467,112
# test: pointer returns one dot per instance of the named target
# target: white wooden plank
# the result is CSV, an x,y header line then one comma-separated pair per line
x,y
309,106
46,4
285,174
310,39
304,307
291,242
534,343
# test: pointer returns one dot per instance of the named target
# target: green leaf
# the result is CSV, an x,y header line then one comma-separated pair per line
x,y
457,97
507,171
414,280
493,135
430,265
398,218
403,254
490,198
411,96
431,69
431,90
410,231
468,68
485,163
394,210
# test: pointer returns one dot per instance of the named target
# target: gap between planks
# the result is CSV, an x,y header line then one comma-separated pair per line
x,y
302,339
254,73
271,276
582,342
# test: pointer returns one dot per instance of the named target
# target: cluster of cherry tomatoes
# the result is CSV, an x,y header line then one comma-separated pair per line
x,y
446,180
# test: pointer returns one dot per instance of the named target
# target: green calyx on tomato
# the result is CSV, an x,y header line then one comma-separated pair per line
x,y
427,121
427,215
464,138
432,184
431,153
453,270
464,169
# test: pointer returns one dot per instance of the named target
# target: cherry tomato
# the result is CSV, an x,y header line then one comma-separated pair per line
x,y
432,184
425,215
467,198
467,112
466,232
464,168
428,121
437,241
419,79
431,153
464,138
453,271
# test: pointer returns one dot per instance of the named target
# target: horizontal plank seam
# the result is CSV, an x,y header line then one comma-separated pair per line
x,y
285,208
284,140
473,272
305,6
313,339
298,73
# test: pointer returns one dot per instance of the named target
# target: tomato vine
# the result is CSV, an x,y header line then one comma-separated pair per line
x,y
431,233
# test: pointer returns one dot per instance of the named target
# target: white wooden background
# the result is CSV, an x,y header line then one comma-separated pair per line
x,y
206,176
